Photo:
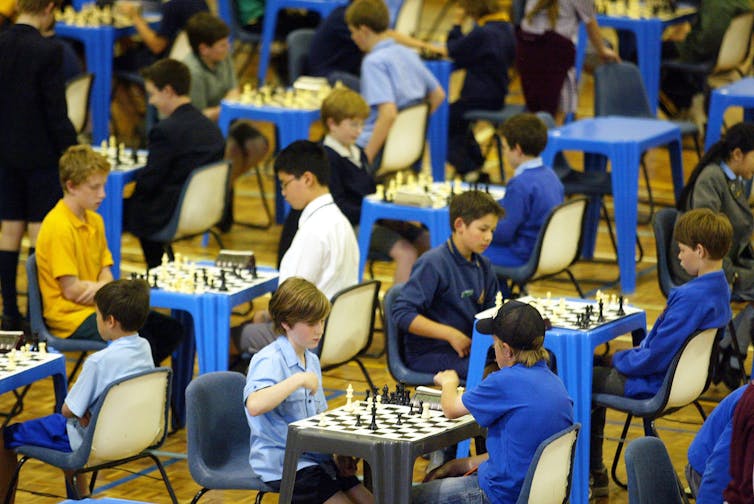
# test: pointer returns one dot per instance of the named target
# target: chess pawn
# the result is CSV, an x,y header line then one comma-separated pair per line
x,y
380,192
12,360
349,398
425,411
42,347
379,401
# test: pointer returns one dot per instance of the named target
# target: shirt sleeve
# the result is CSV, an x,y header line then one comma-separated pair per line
x,y
63,260
516,212
488,401
707,193
375,84
717,470
264,371
52,94
81,395
198,92
464,49
417,294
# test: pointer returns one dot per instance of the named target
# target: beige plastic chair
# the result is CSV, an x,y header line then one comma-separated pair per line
x,y
407,21
77,95
735,51
348,329
548,480
181,46
404,146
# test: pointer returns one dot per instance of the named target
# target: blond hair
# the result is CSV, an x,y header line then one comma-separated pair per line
x,y
78,163
297,300
341,104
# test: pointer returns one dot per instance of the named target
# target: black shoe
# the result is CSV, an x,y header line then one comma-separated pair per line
x,y
599,483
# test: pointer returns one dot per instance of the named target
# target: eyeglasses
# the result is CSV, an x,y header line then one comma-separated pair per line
x,y
283,185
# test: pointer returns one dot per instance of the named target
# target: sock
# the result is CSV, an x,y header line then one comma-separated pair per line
x,y
8,271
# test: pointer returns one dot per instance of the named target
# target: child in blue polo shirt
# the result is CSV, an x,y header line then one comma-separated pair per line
x,y
521,405
531,194
122,307
284,384
448,286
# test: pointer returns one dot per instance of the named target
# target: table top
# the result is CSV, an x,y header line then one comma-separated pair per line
x,y
614,129
742,87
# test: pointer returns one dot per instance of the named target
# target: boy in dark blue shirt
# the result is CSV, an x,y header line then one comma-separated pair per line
x,y
448,286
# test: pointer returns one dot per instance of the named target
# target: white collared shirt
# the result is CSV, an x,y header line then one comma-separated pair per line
x,y
532,163
324,249
353,154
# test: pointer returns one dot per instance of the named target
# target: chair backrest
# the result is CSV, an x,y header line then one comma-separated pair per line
x,y
181,46
689,373
734,49
548,480
559,243
663,224
404,145
348,329
130,417
619,90
298,42
407,20
651,477
78,92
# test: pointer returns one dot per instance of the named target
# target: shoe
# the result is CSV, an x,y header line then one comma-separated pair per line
x,y
599,483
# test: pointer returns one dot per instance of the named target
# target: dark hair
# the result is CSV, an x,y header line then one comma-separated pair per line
x,y
205,28
169,72
242,131
739,136
126,300
370,13
527,131
298,300
473,205
703,226
304,156
36,6
480,8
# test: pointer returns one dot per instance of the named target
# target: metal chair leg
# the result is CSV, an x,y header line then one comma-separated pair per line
x,y
618,450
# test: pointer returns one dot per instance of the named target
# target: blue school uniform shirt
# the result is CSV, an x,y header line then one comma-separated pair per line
x,y
520,407
531,194
392,73
702,303
709,453
446,288
269,432
122,357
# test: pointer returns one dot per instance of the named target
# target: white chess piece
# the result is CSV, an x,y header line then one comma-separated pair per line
x,y
349,398
42,347
12,360
498,300
425,410
379,402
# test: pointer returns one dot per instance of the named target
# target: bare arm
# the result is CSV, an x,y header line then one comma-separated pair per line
x,y
269,398
450,399
82,291
422,326
605,53
156,43
386,114
436,97
83,421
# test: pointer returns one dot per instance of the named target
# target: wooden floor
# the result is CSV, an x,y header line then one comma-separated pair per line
x,y
41,484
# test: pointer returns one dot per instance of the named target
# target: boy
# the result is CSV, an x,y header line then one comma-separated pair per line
x,y
522,404
704,238
324,249
448,286
392,76
73,261
34,132
284,385
343,113
532,192
212,75
182,141
122,307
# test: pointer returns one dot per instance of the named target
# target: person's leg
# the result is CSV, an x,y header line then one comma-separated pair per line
x,y
605,380
164,335
694,479
87,330
255,337
11,233
152,252
8,461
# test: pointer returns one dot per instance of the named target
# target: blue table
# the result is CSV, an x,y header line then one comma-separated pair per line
x,y
111,211
54,367
648,32
622,140
741,94
574,352
437,130
290,125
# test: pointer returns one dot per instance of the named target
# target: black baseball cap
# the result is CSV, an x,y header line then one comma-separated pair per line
x,y
517,324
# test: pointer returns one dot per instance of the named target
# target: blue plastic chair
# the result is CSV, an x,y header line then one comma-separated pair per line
x,y
298,42
218,436
496,118
39,328
651,477
133,413
548,480
687,378
241,35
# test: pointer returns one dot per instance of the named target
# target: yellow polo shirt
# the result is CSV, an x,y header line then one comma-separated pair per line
x,y
67,245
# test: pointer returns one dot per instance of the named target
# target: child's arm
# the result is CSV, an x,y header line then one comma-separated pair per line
x,y
80,291
457,467
450,399
422,326
269,398
435,97
386,114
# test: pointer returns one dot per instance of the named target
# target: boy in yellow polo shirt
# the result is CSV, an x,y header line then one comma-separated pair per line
x,y
73,260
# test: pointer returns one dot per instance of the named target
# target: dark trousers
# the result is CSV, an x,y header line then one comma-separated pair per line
x,y
605,380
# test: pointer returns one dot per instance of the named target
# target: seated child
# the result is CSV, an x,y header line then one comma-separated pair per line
x,y
122,307
343,113
704,238
392,76
521,405
531,194
448,286
284,384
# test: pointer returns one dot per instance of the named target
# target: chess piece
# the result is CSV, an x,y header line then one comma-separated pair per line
x,y
498,299
399,422
358,420
223,286
601,316
322,420
621,311
378,399
421,408
373,425
425,411
42,347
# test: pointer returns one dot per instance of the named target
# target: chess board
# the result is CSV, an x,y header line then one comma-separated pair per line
x,y
289,98
92,15
423,192
646,9
198,279
120,157
412,428
24,361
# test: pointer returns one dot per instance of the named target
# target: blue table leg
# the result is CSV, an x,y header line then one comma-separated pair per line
x,y
675,150
648,42
99,60
625,174
268,34
366,223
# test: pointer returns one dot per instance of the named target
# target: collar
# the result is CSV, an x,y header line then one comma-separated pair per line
x,y
459,257
383,44
124,340
78,223
491,18
313,206
352,153
532,163
287,351
728,172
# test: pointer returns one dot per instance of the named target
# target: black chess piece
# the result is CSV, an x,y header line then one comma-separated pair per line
x,y
373,425
134,275
154,281
134,157
420,408
399,422
223,286
358,420
602,315
368,391
621,311
385,394
411,409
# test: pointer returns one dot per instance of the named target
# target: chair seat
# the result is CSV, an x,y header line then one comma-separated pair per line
x,y
636,407
66,461
233,474
687,127
702,68
494,116
587,183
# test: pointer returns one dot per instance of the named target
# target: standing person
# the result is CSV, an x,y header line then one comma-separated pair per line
x,y
34,132
546,52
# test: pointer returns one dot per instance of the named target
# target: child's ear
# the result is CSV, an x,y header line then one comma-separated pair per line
x,y
701,251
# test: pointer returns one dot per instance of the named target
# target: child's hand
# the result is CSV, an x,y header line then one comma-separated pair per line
x,y
460,343
450,377
346,465
309,381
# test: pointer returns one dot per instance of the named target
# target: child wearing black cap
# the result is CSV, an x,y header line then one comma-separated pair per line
x,y
521,405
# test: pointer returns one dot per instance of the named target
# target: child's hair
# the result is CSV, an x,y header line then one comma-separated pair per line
x,y
205,28
739,136
702,226
304,156
479,8
473,205
297,300
526,130
126,300
169,72
78,163
521,327
370,13
243,131
343,103
36,6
